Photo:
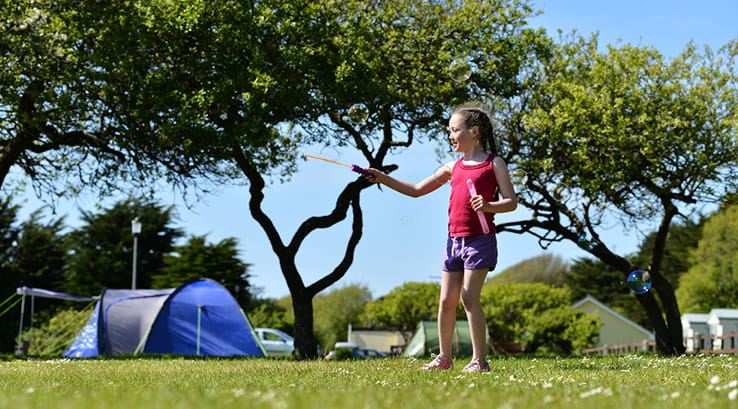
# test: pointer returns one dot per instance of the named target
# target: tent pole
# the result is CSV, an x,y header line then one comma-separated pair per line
x,y
19,347
33,309
199,313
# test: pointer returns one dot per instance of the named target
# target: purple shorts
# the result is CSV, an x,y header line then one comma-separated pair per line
x,y
470,253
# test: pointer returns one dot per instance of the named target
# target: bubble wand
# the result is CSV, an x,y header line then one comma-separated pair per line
x,y
355,168
480,214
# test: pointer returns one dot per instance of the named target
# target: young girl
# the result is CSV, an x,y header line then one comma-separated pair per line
x,y
470,253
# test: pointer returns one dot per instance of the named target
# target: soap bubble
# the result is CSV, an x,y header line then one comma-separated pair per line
x,y
330,152
585,243
560,192
357,114
460,70
518,178
639,281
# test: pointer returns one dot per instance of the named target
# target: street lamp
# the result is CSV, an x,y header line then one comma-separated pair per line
x,y
136,229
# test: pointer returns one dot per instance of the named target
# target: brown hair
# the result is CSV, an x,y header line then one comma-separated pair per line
x,y
474,116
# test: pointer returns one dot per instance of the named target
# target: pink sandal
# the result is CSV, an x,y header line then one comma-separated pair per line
x,y
476,365
441,362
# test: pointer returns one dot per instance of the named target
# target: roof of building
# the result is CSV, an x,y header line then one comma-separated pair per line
x,y
616,314
724,313
695,318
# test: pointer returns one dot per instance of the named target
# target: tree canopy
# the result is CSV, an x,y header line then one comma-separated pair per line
x,y
224,86
712,280
620,131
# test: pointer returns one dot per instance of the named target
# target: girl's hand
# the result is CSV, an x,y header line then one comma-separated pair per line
x,y
477,203
375,175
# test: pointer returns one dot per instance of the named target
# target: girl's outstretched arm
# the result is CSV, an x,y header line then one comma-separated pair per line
x,y
425,186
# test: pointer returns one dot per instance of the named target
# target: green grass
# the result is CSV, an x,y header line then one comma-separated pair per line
x,y
521,382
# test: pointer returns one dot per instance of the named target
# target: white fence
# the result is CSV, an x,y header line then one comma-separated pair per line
x,y
702,344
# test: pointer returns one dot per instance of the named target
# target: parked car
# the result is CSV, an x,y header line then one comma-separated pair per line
x,y
356,352
373,353
276,342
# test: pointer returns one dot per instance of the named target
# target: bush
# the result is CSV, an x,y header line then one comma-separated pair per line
x,y
536,316
343,354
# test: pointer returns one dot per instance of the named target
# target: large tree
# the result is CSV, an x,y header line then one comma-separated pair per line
x,y
32,254
9,274
395,59
215,87
622,132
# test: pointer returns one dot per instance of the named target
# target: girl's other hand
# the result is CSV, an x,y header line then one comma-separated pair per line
x,y
477,203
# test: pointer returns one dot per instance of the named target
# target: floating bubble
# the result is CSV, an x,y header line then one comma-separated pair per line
x,y
518,177
585,243
639,281
560,192
460,70
330,152
357,114
406,221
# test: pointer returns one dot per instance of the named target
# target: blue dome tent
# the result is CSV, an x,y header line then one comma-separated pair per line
x,y
197,318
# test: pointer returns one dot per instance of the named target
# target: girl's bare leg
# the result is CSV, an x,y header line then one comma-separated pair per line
x,y
470,297
451,282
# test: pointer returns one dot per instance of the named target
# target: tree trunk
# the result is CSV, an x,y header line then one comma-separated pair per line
x,y
306,346
669,338
659,302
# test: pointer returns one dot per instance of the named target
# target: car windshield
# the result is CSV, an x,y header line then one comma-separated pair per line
x,y
276,331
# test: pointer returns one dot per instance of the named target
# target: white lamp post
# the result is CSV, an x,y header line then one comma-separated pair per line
x,y
136,229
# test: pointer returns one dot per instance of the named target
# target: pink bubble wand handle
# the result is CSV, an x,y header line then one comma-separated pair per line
x,y
480,214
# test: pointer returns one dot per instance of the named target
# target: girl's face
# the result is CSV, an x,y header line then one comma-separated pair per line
x,y
461,138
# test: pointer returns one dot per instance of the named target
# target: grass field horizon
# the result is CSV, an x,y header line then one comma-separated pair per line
x,y
611,381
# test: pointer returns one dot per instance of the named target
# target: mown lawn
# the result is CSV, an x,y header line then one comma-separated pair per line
x,y
633,381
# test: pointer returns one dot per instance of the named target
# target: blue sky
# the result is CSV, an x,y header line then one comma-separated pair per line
x,y
403,237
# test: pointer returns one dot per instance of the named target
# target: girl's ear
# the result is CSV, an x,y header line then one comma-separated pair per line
x,y
475,131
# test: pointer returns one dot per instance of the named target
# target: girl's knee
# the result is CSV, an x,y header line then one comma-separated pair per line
x,y
446,304
470,301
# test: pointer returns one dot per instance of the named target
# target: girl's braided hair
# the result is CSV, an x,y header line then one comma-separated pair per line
x,y
474,116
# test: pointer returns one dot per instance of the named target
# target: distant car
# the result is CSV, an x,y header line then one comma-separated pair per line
x,y
373,353
275,342
356,352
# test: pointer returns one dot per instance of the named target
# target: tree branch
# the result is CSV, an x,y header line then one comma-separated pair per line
x,y
348,257
256,191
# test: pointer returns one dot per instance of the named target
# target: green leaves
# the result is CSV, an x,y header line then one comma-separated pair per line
x,y
712,280
405,306
624,129
537,316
